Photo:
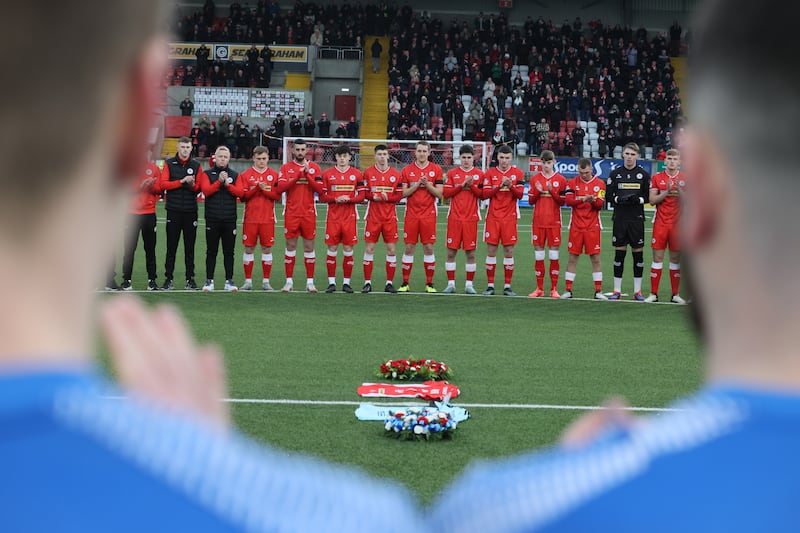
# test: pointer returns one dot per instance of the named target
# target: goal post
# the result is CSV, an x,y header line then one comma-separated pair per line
x,y
401,152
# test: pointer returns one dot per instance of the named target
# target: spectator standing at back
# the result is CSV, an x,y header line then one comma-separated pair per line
x,y
295,127
324,126
309,126
187,107
578,134
376,50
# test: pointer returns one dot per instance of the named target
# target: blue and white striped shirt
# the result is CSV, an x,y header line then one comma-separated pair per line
x,y
74,461
725,462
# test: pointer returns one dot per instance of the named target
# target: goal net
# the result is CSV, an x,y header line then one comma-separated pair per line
x,y
401,153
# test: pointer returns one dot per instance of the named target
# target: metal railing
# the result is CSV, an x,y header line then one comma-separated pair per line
x,y
340,52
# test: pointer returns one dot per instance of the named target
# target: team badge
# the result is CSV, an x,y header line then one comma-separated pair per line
x,y
311,171
431,173
682,183
148,172
352,177
474,176
367,233
639,176
391,179
555,184
189,171
596,188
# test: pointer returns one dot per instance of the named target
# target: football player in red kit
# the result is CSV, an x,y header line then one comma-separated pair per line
x,y
503,188
342,187
585,194
423,185
666,188
300,212
463,185
546,197
383,190
261,193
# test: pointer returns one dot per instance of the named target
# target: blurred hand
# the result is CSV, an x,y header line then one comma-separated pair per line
x,y
156,357
588,427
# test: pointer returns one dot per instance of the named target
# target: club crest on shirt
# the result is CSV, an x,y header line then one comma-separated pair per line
x,y
391,179
596,188
148,172
639,176
189,171
431,173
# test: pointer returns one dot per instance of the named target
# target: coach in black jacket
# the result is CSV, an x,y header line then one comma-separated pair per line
x,y
180,181
221,186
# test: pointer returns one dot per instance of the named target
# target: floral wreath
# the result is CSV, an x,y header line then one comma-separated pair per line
x,y
420,423
408,369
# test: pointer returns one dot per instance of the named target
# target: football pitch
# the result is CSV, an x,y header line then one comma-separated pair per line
x,y
525,367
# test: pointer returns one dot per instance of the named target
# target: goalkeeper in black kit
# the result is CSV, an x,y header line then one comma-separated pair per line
x,y
628,191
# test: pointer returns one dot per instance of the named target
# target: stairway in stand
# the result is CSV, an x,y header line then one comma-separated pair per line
x,y
375,105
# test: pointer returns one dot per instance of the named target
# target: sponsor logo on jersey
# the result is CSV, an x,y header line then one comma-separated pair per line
x,y
629,186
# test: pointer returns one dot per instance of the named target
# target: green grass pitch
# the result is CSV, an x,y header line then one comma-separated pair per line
x,y
502,350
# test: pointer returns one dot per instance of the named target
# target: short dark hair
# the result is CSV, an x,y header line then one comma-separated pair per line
x,y
298,141
584,162
184,140
466,149
381,147
504,149
342,149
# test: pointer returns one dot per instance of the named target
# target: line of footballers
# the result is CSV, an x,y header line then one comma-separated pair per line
x,y
422,183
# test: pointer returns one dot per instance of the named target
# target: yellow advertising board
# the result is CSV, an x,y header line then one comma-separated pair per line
x,y
238,52
280,54
183,50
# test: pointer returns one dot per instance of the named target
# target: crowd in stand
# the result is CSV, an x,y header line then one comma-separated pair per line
x,y
493,81
306,23
534,79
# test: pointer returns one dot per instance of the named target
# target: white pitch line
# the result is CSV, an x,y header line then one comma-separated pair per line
x,y
469,405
